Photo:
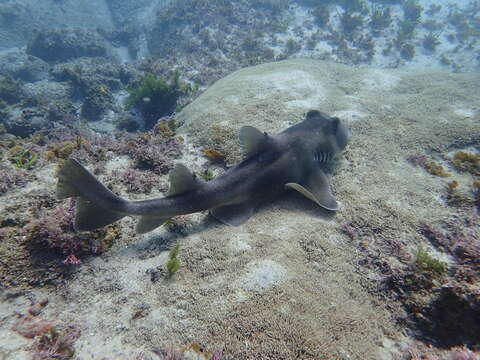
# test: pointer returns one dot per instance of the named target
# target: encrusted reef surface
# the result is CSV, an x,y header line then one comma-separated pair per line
x,y
393,275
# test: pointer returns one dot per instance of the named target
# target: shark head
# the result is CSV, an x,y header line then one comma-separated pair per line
x,y
330,133
320,135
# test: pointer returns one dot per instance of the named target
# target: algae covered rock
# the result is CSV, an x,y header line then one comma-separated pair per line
x,y
19,65
26,122
65,44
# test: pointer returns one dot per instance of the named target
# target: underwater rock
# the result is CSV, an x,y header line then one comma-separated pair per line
x,y
26,122
11,91
48,91
87,74
65,44
19,19
24,67
96,103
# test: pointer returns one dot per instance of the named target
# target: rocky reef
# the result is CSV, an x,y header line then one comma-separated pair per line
x,y
131,88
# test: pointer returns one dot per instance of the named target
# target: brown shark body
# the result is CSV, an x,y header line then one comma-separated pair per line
x,y
294,159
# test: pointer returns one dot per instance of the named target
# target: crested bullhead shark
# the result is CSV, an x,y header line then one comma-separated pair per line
x,y
293,159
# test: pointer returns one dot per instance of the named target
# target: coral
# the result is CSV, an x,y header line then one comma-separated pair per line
x,y
430,41
137,181
10,90
412,10
292,46
63,112
152,152
321,15
467,162
251,43
154,97
127,122
147,158
433,9
444,60
53,230
353,5
65,44
49,341
165,127
21,66
407,51
11,178
380,18
406,29
63,150
350,23
27,122
96,102
173,264
432,25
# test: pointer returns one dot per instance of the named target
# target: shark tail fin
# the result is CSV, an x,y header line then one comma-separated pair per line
x,y
96,205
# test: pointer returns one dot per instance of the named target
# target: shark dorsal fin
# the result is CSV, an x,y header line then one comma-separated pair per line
x,y
252,140
182,180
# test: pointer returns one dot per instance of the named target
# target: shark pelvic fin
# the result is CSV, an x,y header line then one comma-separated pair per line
x,y
182,180
317,189
149,223
234,214
252,140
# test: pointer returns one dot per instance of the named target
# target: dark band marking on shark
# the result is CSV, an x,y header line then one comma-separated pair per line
x,y
293,159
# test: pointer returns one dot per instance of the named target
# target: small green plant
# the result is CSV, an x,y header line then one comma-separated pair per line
x,y
154,97
207,175
173,264
427,264
22,158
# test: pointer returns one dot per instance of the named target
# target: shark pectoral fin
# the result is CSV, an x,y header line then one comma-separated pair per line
x,y
317,189
182,180
149,223
252,140
234,214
